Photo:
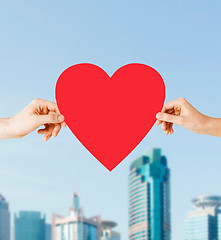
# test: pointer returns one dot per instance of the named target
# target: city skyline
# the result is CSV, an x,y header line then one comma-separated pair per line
x,y
204,223
149,190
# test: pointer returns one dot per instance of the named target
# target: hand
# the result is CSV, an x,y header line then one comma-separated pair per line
x,y
181,112
39,112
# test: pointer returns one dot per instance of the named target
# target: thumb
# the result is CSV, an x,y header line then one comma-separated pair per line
x,y
51,118
165,117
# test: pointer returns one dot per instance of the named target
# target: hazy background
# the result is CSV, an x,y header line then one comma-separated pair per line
x,y
38,40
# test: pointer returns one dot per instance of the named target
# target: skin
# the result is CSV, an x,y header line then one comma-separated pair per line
x,y
38,113
182,113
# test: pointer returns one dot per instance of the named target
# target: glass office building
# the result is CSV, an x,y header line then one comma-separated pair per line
x,y
149,197
4,219
75,226
205,222
29,225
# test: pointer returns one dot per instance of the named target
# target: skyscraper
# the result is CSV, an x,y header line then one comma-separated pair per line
x,y
149,197
4,219
205,222
29,225
75,226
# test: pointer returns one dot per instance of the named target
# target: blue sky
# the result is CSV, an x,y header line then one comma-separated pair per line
x,y
38,40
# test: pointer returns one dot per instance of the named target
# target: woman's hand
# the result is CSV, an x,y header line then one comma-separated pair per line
x,y
39,112
181,112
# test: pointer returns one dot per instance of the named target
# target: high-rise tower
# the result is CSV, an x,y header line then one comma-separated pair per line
x,y
205,222
29,225
76,226
149,197
4,219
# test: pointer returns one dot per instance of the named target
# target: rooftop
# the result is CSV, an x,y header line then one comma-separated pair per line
x,y
108,224
2,198
152,155
212,201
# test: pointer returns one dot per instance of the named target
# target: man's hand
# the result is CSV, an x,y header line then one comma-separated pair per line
x,y
181,112
39,112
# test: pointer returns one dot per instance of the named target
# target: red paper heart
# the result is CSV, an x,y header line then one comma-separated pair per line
x,y
110,115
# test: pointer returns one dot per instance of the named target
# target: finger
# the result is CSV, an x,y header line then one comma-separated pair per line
x,y
45,103
169,118
47,137
56,130
42,110
171,128
171,131
171,111
63,124
158,122
168,126
171,105
56,110
48,134
50,118
43,130
163,126
166,132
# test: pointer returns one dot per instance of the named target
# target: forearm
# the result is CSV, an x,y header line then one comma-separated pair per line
x,y
213,127
5,132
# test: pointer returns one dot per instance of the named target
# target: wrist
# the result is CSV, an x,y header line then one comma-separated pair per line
x,y
5,128
213,127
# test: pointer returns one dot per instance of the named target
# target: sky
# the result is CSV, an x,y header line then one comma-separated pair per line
x,y
40,39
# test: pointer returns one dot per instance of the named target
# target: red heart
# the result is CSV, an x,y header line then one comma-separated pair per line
x,y
110,115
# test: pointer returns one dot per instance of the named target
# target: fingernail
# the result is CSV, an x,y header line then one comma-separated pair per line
x,y
60,118
159,116
54,134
